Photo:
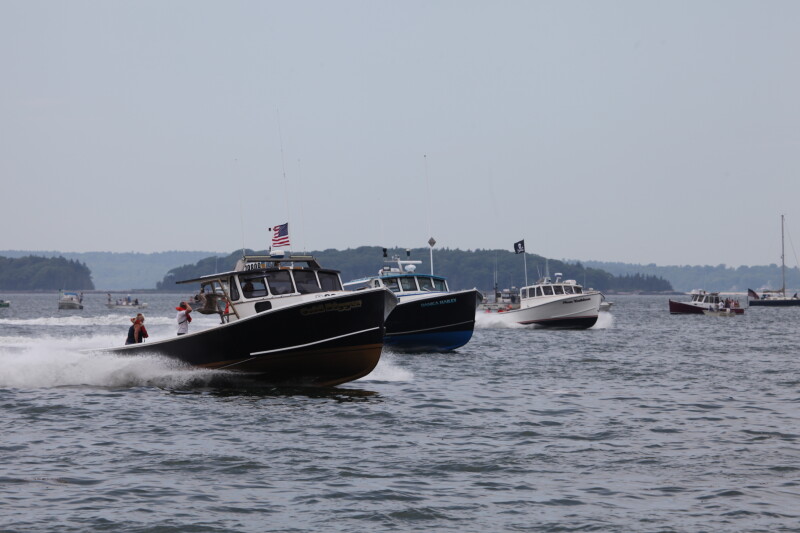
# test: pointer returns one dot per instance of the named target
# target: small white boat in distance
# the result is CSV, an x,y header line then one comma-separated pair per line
x,y
70,300
554,304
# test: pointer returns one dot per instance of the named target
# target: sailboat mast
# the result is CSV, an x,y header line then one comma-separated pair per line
x,y
783,263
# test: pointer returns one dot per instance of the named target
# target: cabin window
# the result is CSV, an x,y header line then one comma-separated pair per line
x,y
391,284
233,290
253,286
329,281
306,281
548,290
263,306
578,290
440,285
408,284
559,289
280,282
425,284
567,289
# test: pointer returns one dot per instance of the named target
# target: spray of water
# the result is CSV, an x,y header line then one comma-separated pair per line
x,y
492,321
57,362
388,370
605,320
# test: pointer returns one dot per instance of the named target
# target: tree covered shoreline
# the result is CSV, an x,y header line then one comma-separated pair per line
x,y
43,273
463,269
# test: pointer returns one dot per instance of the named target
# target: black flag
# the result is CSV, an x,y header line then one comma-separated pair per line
x,y
519,247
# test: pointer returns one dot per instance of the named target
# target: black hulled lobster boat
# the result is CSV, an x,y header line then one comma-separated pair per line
x,y
429,317
284,320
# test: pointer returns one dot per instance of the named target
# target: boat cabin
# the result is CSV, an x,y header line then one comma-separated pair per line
x,y
546,287
259,283
401,280
704,299
402,283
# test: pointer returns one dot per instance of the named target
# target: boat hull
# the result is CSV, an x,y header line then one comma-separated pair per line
x,y
579,311
322,342
722,312
69,305
682,308
436,323
775,302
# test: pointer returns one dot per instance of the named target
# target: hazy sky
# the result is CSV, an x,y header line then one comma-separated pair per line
x,y
635,131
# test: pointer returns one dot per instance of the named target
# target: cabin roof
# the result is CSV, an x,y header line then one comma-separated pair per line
x,y
261,263
395,275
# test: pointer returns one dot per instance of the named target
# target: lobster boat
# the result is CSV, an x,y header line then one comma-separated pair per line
x,y
557,304
285,320
429,317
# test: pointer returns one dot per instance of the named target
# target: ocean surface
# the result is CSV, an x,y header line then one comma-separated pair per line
x,y
647,422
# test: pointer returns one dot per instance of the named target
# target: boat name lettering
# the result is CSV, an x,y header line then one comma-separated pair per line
x,y
331,306
576,300
255,266
440,302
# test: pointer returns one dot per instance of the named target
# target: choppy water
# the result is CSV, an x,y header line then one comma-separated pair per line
x,y
649,422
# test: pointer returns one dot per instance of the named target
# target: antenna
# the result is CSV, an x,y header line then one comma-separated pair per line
x,y
302,208
283,168
241,207
783,263
431,241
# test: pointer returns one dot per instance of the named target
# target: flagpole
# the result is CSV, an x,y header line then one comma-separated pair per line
x,y
525,262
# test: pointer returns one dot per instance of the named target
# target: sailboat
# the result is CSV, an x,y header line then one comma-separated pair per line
x,y
775,298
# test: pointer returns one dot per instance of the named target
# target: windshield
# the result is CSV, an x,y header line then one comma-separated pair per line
x,y
408,284
330,281
253,286
306,281
280,282
391,284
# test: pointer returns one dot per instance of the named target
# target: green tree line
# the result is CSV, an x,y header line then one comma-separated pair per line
x,y
43,273
463,269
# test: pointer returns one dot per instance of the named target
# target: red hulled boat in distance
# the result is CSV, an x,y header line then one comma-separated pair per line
x,y
703,301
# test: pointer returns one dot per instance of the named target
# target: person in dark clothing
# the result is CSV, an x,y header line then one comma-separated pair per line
x,y
137,332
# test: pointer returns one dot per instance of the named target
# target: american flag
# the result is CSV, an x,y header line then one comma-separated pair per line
x,y
280,235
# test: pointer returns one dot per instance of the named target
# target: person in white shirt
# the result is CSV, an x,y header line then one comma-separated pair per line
x,y
183,317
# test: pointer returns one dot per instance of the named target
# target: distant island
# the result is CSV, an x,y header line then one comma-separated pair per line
x,y
113,271
43,273
463,269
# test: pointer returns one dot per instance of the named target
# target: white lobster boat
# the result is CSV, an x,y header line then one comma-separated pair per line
x,y
553,304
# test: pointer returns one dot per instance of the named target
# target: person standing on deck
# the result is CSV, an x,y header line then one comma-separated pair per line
x,y
183,317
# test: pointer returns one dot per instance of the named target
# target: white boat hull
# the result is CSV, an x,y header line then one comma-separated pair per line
x,y
574,311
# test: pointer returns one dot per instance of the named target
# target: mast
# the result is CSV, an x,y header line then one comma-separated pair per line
x,y
783,264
